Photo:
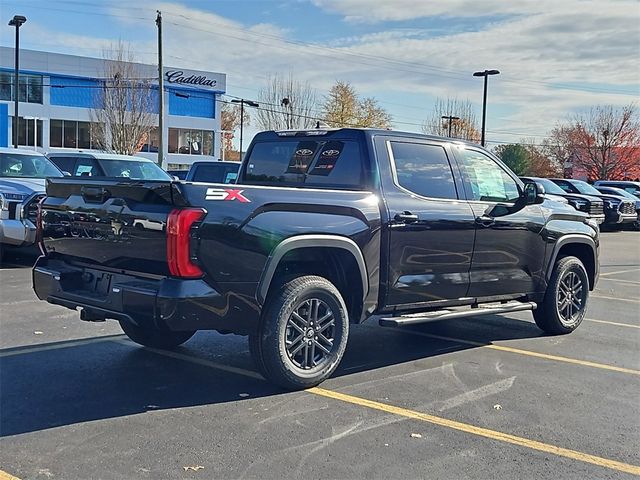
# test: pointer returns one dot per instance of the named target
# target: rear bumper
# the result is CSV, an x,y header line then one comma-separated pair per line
x,y
171,303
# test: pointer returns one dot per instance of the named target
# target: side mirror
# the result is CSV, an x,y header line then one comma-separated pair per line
x,y
533,193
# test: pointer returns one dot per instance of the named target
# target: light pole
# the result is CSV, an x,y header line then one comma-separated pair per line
x,y
484,74
17,22
450,119
242,103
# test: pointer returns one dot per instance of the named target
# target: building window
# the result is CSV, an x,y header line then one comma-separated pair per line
x,y
190,141
27,131
72,134
30,87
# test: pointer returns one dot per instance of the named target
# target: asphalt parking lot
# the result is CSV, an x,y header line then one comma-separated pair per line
x,y
488,397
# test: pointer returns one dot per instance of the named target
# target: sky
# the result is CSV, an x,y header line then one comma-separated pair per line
x,y
555,57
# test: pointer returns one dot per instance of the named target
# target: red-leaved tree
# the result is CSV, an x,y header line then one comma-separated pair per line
x,y
604,143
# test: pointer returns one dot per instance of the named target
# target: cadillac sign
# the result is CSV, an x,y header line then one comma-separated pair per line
x,y
190,79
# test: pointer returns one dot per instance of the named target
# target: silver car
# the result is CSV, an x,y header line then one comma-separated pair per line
x,y
22,185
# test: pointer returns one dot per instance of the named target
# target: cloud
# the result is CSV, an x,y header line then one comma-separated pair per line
x,y
539,47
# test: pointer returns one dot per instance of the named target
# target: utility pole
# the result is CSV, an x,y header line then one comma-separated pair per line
x,y
242,102
160,93
17,22
450,119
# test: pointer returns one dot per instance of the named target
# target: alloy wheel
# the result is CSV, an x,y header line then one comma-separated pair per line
x,y
310,334
570,298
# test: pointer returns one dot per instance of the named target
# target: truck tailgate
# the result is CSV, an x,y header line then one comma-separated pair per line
x,y
119,224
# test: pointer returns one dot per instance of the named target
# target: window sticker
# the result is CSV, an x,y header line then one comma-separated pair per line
x,y
302,157
231,177
328,157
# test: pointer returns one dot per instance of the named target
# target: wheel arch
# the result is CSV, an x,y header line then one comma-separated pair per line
x,y
335,257
581,246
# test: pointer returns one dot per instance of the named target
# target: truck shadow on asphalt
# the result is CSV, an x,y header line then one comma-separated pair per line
x,y
114,378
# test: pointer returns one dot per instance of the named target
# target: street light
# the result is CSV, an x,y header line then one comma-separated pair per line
x,y
242,103
450,119
484,74
17,22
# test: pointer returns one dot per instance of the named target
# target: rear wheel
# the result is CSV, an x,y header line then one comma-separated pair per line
x,y
303,333
565,301
154,337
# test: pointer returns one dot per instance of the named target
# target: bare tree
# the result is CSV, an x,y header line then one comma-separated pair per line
x,y
230,121
123,116
286,103
603,142
344,108
466,127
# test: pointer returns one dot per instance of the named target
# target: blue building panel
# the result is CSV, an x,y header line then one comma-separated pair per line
x,y
191,103
4,125
74,92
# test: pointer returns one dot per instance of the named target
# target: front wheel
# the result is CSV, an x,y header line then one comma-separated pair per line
x,y
303,333
565,301
150,336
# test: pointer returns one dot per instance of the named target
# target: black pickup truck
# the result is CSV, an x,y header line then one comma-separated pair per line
x,y
325,228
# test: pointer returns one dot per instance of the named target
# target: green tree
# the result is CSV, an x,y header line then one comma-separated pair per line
x,y
515,156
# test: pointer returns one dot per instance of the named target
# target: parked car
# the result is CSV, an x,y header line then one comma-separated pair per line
x,y
213,172
22,174
617,211
98,164
324,228
631,187
624,194
179,174
591,205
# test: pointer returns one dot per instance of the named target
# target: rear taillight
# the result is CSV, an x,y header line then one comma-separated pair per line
x,y
179,226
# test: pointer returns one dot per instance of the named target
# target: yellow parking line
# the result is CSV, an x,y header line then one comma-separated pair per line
x,y
403,412
618,324
7,476
619,271
479,431
519,351
619,299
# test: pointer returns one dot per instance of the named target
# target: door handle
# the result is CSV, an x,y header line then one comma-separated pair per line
x,y
406,217
485,221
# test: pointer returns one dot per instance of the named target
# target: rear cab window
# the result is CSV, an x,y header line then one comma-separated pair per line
x,y
308,162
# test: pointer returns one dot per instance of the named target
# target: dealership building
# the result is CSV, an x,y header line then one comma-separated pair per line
x,y
59,93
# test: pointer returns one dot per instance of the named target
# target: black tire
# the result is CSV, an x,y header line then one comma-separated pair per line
x,y
153,337
565,301
289,349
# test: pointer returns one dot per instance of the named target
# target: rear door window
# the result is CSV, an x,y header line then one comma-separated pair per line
x,y
306,163
216,173
423,169
65,164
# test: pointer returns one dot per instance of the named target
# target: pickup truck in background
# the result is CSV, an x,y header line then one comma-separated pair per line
x,y
22,178
324,228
